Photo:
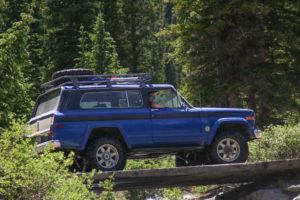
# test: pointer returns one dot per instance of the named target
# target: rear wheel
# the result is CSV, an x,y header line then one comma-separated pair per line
x,y
107,154
229,147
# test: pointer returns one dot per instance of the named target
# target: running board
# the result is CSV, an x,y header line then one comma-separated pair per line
x,y
166,149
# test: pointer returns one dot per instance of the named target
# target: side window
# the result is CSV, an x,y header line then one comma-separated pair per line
x,y
135,98
111,99
167,98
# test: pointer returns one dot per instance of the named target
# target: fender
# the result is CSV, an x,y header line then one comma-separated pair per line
x,y
92,126
221,121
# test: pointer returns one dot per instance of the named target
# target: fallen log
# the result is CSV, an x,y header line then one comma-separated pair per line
x,y
198,175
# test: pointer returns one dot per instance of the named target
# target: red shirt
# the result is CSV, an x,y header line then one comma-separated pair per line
x,y
151,102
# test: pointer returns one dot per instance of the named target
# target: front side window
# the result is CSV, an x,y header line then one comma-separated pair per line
x,y
167,98
111,99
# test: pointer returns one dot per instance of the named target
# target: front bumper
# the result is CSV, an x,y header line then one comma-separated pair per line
x,y
51,143
256,134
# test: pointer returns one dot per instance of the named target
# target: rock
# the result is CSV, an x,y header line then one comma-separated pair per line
x,y
293,188
297,197
267,194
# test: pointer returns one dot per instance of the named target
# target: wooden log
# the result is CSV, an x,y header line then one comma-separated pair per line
x,y
198,175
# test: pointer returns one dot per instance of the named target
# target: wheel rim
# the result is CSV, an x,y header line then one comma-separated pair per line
x,y
228,149
107,156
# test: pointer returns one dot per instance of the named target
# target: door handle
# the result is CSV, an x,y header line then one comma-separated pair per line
x,y
153,110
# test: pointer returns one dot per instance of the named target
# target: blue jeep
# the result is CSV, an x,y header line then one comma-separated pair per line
x,y
106,119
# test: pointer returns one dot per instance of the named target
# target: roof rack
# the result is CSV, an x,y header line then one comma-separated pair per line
x,y
109,80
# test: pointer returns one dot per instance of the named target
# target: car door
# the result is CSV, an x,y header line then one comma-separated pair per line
x,y
175,125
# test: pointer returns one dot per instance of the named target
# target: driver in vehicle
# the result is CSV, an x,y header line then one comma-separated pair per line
x,y
151,97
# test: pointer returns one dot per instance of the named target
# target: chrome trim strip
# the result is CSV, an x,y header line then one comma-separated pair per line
x,y
42,132
51,143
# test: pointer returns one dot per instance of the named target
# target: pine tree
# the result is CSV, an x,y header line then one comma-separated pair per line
x,y
104,54
61,21
239,54
143,51
14,57
85,56
112,13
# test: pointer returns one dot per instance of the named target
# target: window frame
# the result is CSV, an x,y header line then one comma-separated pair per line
x,y
34,112
155,89
115,90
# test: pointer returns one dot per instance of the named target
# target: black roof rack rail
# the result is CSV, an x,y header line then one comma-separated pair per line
x,y
107,79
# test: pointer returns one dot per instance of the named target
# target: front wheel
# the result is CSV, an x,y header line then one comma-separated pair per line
x,y
107,154
229,147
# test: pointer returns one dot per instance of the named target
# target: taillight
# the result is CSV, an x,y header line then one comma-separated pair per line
x,y
59,126
51,130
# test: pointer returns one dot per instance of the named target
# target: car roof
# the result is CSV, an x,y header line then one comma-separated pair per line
x,y
121,86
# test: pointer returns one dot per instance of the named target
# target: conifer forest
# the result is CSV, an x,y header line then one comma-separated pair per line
x,y
217,53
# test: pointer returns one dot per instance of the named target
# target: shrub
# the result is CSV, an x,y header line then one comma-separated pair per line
x,y
173,194
153,163
277,142
24,174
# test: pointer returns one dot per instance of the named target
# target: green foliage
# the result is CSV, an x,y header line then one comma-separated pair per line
x,y
24,174
173,194
14,57
150,163
140,50
203,189
104,55
277,142
85,56
60,22
10,12
107,185
238,54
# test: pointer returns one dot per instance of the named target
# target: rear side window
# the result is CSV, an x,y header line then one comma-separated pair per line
x,y
135,98
47,102
111,99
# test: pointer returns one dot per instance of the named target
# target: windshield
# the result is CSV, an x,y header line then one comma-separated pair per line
x,y
47,102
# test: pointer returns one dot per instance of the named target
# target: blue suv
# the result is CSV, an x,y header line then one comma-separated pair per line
x,y
107,119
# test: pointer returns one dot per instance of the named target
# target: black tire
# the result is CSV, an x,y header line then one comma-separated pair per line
x,y
76,71
181,160
190,159
229,147
107,161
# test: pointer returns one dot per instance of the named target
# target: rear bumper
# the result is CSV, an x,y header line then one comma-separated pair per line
x,y
256,134
51,143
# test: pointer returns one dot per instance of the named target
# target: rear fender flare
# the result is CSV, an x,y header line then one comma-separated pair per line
x,y
92,127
